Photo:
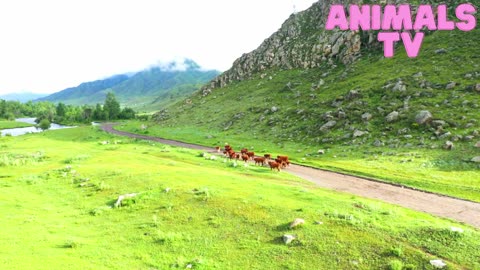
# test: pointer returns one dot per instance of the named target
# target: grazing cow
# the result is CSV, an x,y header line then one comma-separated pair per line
x,y
259,160
274,165
267,156
282,162
284,159
251,154
237,156
245,158
217,148
244,151
232,155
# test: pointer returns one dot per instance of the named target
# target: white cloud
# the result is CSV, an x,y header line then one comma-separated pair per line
x,y
49,45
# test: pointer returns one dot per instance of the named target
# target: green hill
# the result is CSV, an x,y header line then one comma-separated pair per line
x,y
142,90
306,89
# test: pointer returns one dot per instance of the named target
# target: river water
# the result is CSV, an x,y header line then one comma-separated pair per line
x,y
22,131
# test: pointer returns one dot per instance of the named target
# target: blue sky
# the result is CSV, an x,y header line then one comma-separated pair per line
x,y
49,45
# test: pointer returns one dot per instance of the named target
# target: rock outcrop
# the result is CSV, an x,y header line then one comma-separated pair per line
x,y
301,42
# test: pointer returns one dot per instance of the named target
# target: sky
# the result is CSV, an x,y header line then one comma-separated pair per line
x,y
49,45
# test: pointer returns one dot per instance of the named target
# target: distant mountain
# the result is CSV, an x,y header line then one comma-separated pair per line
x,y
88,92
22,97
146,89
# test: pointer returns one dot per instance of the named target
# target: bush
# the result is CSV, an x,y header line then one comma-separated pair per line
x,y
395,265
44,124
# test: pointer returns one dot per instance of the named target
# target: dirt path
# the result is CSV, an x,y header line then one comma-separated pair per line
x,y
438,205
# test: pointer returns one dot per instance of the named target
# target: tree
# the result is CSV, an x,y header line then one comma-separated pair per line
x,y
44,124
111,107
127,113
61,109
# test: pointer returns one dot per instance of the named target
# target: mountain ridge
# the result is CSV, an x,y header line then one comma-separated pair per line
x,y
170,80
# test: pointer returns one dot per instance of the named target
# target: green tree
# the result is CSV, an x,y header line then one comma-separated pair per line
x,y
111,107
44,124
127,113
61,109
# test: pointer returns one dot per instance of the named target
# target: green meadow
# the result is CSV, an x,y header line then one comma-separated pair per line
x,y
195,211
434,170
12,124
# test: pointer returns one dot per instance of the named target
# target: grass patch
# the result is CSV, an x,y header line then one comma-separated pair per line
x,y
192,212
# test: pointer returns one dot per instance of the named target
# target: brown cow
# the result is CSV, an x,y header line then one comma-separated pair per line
x,y
267,156
217,148
282,163
274,165
244,151
285,162
259,160
245,158
251,154
232,154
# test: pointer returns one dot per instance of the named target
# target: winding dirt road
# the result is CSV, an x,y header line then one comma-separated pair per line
x,y
438,205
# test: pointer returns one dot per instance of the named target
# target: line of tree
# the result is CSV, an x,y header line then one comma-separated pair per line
x,y
66,114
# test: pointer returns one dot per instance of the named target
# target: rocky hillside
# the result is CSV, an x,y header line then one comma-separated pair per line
x,y
313,86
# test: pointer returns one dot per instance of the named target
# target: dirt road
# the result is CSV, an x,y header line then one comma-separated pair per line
x,y
438,205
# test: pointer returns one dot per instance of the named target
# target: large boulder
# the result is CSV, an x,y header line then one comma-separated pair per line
x,y
327,126
392,117
476,159
423,117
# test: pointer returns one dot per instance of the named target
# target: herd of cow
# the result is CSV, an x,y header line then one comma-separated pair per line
x,y
278,163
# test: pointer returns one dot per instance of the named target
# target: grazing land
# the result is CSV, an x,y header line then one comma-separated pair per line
x,y
13,124
58,189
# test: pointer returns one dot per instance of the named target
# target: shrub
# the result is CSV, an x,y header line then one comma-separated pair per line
x,y
395,265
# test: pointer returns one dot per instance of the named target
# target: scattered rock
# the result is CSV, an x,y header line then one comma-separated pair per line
x,y
476,159
359,133
167,190
399,87
477,87
438,264
274,109
448,145
321,152
353,94
450,85
468,138
446,135
378,143
440,51
318,222
438,123
118,203
418,75
288,238
391,117
455,229
327,126
477,144
366,117
297,222
423,117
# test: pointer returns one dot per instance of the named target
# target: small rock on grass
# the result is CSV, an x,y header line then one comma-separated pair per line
x,y
297,222
438,264
288,238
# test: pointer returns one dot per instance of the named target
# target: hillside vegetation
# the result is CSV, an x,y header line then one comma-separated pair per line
x,y
59,188
383,118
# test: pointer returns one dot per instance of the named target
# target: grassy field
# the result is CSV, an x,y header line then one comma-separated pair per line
x,y
191,211
434,170
283,111
12,124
